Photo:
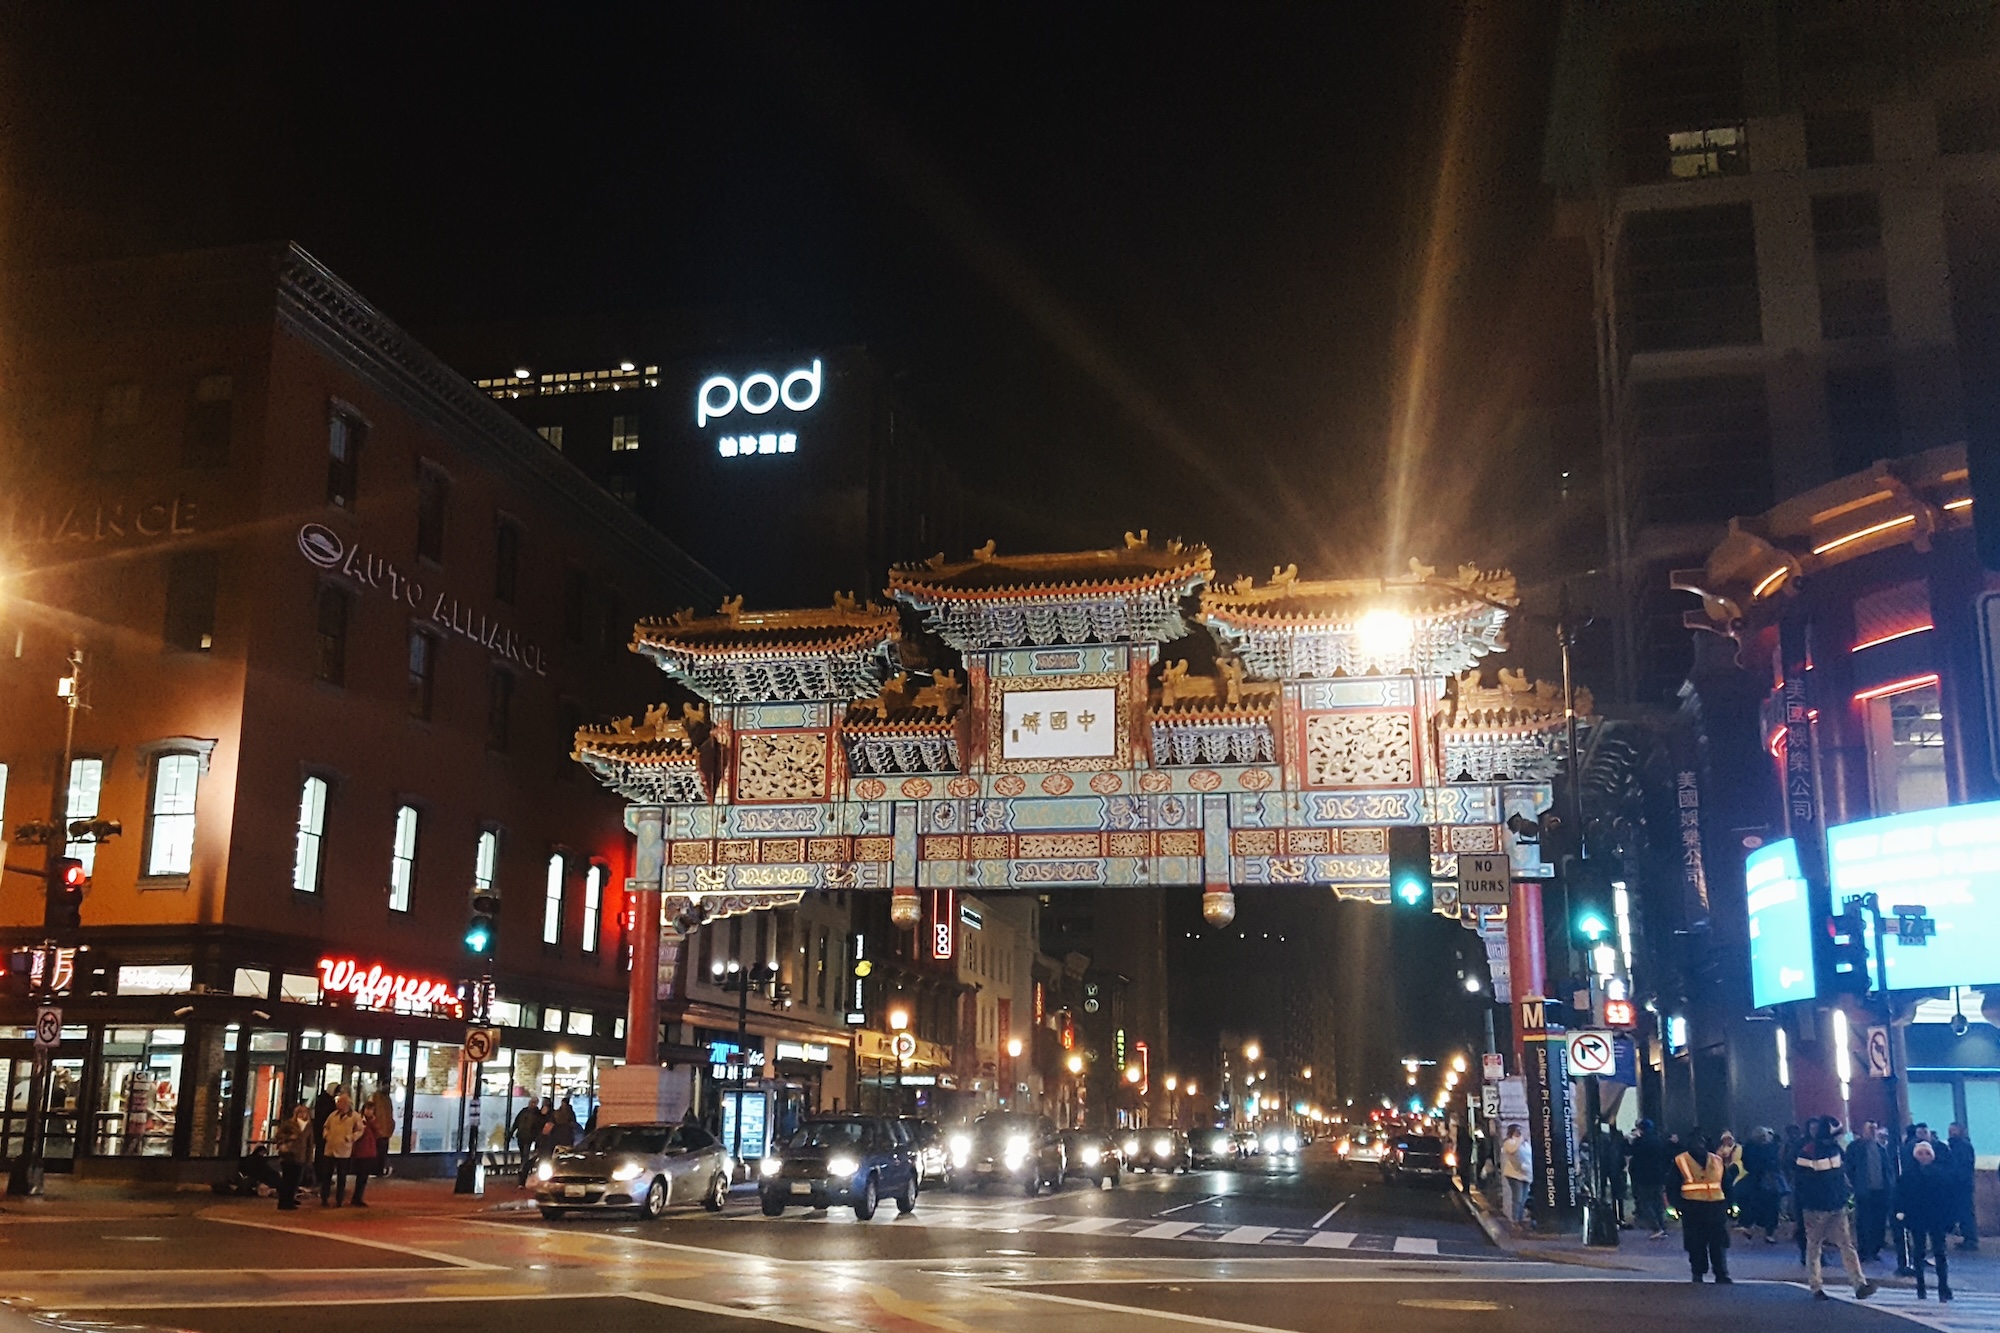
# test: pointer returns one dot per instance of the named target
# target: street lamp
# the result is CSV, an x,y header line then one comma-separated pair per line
x,y
1013,1048
1252,1051
1076,1064
1458,1064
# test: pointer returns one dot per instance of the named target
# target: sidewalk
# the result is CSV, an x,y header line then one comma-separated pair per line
x,y
1748,1259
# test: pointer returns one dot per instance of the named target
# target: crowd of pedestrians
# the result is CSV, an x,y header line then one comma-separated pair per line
x,y
1852,1195
541,1128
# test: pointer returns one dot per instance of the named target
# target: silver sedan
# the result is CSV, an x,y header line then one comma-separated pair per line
x,y
641,1167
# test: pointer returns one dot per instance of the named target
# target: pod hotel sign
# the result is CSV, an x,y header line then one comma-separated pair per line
x,y
758,414
323,547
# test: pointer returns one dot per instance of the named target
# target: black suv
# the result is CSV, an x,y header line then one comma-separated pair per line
x,y
844,1159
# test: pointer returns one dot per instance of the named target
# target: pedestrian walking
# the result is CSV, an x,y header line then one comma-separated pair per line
x,y
371,1149
1517,1174
1823,1194
1926,1207
1762,1192
1868,1172
563,1132
1468,1170
527,1131
343,1129
293,1138
323,1105
1731,1153
1704,1209
1647,1166
1963,1168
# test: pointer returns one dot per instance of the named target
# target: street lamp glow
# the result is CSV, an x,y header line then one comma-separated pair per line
x,y
1132,1074
1251,1051
1192,1090
1383,633
1013,1048
1472,985
1458,1064
1306,1073
1076,1064
1172,1083
899,1019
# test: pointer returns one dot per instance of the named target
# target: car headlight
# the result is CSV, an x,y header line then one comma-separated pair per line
x,y
771,1166
1270,1143
1163,1147
961,1149
841,1166
546,1171
628,1171
1291,1144
1219,1144
1092,1155
1131,1147
1017,1150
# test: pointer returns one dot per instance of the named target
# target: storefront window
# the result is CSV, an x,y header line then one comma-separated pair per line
x,y
1906,750
139,1092
435,1098
264,1101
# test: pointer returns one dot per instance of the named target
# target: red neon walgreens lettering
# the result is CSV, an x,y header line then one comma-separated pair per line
x,y
374,988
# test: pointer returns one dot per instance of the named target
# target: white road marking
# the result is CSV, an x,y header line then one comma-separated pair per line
x,y
1330,1240
439,1255
735,1312
1196,1204
1247,1235
1416,1245
1084,1226
1331,1211
1165,1231
1140,1311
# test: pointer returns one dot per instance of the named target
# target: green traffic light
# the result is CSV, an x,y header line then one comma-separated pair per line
x,y
477,937
1411,892
1592,926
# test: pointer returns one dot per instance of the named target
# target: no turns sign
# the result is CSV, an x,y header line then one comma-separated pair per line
x,y
1590,1053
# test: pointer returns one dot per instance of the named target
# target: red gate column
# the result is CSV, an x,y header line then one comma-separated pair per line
x,y
642,898
1527,962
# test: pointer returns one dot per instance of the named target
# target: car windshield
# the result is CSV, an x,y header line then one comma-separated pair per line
x,y
1422,1146
995,1125
831,1134
626,1138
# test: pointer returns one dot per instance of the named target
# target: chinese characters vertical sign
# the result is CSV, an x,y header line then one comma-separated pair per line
x,y
1801,791
1694,874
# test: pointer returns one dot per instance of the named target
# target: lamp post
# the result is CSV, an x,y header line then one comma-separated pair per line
x,y
899,1022
1014,1049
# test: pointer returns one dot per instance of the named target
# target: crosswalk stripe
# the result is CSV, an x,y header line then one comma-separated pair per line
x,y
1086,1225
1165,1231
1416,1245
1330,1240
1247,1235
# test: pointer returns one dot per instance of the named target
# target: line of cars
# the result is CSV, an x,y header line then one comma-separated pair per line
x,y
859,1161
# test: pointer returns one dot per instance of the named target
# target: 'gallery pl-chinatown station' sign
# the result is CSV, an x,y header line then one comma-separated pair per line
x,y
323,547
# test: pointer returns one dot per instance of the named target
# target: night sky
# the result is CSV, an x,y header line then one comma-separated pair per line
x,y
1161,267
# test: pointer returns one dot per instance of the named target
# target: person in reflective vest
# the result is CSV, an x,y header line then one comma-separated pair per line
x,y
1704,1211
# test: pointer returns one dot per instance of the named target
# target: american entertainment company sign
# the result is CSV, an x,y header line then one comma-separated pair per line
x,y
324,548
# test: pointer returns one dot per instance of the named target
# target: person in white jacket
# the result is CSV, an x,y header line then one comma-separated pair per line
x,y
1517,1173
343,1127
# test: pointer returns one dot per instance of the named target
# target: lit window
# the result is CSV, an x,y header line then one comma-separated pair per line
x,y
593,905
1906,750
403,859
170,822
552,902
483,864
86,786
306,858
624,434
551,434
580,1023
1716,151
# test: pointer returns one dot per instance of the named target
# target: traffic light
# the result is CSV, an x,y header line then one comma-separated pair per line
x,y
480,930
1592,913
67,879
1848,931
1410,866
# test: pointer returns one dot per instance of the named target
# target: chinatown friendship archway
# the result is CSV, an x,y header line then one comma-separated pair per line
x,y
1060,750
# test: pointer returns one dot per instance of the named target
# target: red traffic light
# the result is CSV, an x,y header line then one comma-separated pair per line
x,y
1621,1014
67,875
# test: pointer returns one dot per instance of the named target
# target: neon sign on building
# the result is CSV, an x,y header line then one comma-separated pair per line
x,y
373,987
755,395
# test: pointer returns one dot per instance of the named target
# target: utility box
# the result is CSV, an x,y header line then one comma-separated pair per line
x,y
644,1094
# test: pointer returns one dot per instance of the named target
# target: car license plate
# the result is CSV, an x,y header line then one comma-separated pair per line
x,y
574,1191
801,1190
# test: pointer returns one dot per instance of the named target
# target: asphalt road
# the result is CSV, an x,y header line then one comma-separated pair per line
x,y
1292,1247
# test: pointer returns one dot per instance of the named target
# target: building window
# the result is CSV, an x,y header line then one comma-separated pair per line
x,y
624,434
593,904
170,814
1704,448
331,663
423,673
190,623
86,789
552,902
551,435
433,495
1862,420
119,414
403,859
1853,276
307,862
205,437
499,708
506,560
576,604
1968,127
486,861
1688,278
344,436
1681,113
1906,750
1840,138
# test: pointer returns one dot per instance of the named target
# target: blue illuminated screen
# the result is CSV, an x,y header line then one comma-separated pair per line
x,y
1946,861
1781,928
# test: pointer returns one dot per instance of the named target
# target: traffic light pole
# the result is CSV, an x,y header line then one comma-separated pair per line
x,y
25,1179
